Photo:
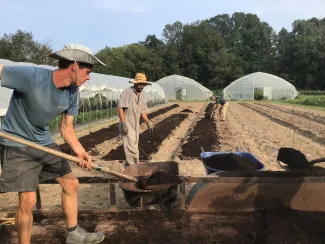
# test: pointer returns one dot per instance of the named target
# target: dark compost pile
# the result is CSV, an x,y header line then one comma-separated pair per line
x,y
158,178
230,162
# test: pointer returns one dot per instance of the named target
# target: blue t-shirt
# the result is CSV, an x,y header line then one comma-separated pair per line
x,y
221,101
34,102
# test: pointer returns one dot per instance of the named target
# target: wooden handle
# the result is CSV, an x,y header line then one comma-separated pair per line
x,y
318,160
6,219
67,156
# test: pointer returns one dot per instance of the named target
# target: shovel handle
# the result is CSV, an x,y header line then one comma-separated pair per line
x,y
318,160
67,157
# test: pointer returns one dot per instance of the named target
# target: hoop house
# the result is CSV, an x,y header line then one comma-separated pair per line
x,y
178,87
270,86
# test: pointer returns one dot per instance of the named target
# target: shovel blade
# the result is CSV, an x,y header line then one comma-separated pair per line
x,y
293,158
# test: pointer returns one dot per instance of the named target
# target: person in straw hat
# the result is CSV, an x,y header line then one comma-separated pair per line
x,y
132,105
39,96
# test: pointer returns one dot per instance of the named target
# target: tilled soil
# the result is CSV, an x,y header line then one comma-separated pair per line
x,y
90,141
209,111
244,129
187,111
253,132
155,227
312,115
204,135
302,125
149,142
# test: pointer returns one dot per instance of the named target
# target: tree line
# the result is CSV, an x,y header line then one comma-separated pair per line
x,y
213,51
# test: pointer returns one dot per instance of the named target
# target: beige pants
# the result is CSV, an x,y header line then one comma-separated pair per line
x,y
222,110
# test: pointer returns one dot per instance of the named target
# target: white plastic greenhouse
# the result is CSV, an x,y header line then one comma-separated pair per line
x,y
98,97
271,87
178,87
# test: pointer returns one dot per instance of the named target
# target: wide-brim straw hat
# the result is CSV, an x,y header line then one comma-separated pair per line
x,y
76,52
140,78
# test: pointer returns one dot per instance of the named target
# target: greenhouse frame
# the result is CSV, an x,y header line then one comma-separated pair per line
x,y
271,87
98,99
178,87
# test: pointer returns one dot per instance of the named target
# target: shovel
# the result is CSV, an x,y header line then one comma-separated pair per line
x,y
140,182
295,159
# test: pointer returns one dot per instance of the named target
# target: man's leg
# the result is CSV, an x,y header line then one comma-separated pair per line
x,y
70,186
20,174
60,170
130,146
224,110
136,145
212,112
129,159
219,107
76,234
24,216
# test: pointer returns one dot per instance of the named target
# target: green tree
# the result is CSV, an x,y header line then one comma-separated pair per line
x,y
21,47
173,33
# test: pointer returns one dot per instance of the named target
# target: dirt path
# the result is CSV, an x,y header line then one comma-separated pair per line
x,y
301,124
257,134
167,134
312,115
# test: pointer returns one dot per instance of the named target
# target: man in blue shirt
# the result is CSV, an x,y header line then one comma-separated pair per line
x,y
40,95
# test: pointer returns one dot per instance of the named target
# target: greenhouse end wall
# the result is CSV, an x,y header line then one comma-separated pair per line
x,y
272,87
178,87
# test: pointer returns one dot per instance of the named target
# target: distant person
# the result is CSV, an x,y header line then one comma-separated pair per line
x,y
39,95
132,105
222,106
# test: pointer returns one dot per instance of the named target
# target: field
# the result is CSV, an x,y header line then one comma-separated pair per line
x,y
310,100
180,130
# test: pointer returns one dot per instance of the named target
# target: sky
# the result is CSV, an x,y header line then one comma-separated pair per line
x,y
100,23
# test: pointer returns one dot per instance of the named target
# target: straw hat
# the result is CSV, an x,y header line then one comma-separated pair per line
x,y
77,52
140,78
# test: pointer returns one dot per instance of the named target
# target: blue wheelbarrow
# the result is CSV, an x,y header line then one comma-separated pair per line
x,y
245,155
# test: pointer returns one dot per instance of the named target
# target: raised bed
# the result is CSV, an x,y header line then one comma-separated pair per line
x,y
204,134
94,138
149,143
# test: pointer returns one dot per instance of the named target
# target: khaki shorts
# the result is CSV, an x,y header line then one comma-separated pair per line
x,y
24,167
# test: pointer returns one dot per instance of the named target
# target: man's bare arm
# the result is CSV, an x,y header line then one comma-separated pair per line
x,y
69,136
120,113
145,117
